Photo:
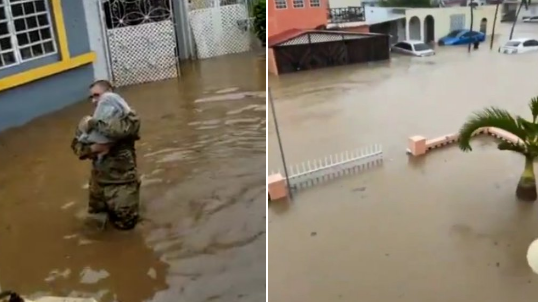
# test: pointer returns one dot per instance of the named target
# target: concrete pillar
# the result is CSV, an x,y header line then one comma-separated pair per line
x,y
407,25
98,40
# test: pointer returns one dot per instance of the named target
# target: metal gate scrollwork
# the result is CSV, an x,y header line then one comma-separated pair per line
x,y
141,40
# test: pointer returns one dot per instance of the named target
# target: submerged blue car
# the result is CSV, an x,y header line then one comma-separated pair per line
x,y
462,36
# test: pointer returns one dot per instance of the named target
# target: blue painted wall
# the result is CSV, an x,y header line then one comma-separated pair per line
x,y
22,104
76,27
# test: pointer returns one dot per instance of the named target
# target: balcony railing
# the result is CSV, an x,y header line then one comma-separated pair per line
x,y
346,14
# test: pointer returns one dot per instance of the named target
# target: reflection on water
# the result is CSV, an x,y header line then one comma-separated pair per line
x,y
442,228
203,178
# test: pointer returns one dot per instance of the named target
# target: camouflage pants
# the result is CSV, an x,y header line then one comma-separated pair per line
x,y
119,201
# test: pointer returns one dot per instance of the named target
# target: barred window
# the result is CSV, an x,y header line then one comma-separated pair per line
x,y
25,31
315,3
298,3
281,4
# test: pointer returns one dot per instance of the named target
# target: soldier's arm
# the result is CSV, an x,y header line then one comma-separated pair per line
x,y
83,151
117,129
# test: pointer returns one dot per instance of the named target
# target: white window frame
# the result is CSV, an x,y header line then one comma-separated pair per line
x,y
278,4
315,3
299,1
15,48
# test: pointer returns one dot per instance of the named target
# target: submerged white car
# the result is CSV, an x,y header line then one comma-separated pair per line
x,y
413,48
522,45
530,19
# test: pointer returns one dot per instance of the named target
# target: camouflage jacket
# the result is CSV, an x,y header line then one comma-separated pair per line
x,y
119,164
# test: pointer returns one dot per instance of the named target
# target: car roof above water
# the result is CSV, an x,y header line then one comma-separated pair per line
x,y
520,40
412,42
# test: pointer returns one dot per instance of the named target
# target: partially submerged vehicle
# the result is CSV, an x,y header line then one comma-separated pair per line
x,y
520,45
413,48
462,36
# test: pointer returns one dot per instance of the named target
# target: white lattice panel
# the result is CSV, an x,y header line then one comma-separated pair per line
x,y
303,39
319,38
143,53
217,30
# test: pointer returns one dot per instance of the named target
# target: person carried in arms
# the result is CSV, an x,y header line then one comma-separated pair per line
x,y
114,186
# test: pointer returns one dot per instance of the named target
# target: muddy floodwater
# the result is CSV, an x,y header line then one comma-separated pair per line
x,y
202,161
442,228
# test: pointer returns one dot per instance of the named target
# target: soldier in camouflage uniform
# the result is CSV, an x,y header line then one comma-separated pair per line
x,y
114,183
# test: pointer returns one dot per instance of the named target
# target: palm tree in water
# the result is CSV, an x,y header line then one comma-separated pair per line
x,y
525,130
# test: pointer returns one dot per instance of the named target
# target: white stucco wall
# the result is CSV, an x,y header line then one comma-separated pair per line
x,y
344,3
375,15
401,30
442,18
101,68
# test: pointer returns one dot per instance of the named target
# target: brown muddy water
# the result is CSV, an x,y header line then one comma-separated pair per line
x,y
442,228
202,160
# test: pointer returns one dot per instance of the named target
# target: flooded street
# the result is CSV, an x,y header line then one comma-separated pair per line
x,y
442,228
202,161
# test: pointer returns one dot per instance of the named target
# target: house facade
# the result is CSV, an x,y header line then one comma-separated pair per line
x,y
46,61
285,15
428,24
52,50
431,24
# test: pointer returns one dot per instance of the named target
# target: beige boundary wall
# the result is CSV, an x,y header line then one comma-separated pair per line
x,y
419,145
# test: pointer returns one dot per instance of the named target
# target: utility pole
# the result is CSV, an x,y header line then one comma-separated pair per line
x,y
277,131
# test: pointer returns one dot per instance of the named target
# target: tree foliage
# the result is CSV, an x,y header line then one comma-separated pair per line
x,y
260,21
525,130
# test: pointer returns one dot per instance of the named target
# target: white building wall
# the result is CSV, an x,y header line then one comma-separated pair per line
x,y
344,3
441,18
101,66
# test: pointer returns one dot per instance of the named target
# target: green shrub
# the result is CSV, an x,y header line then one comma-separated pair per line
x,y
260,20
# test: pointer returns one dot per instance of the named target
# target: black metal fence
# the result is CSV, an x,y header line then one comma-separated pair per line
x,y
344,51
346,14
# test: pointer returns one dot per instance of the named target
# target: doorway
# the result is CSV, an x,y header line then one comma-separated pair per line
x,y
429,29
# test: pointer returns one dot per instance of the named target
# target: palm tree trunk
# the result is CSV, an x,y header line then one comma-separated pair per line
x,y
494,23
526,188
517,17
471,27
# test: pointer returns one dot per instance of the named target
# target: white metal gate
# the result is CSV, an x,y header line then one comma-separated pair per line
x,y
141,40
220,29
457,22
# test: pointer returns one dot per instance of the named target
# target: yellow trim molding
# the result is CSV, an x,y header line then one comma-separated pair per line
x,y
45,71
61,34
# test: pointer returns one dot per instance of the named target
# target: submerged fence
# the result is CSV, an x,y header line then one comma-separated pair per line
x,y
313,172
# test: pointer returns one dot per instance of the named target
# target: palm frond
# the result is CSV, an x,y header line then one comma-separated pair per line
x,y
533,105
490,117
508,146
